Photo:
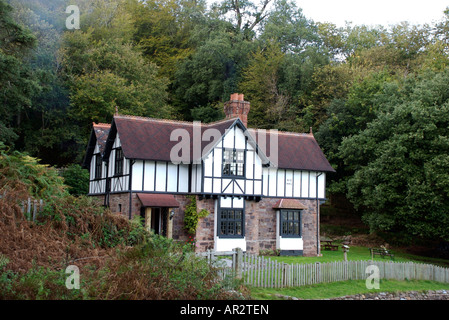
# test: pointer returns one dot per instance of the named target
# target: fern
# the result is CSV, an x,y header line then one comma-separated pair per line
x,y
3,261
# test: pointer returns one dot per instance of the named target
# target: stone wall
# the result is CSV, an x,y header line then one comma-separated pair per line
x,y
260,222
205,229
260,226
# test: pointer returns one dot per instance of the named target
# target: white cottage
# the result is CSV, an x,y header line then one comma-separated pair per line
x,y
262,189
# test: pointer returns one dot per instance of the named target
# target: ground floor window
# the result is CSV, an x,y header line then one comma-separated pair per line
x,y
290,223
231,222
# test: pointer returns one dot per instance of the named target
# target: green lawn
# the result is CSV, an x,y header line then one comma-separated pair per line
x,y
358,253
343,288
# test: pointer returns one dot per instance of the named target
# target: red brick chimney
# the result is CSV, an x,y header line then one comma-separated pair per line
x,y
237,107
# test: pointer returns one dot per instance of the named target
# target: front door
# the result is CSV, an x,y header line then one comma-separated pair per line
x,y
156,220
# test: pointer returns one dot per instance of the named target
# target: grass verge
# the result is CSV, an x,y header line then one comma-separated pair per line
x,y
344,288
357,253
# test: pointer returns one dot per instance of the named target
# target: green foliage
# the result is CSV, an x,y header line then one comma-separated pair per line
x,y
192,216
17,83
401,162
155,269
77,179
105,74
3,261
17,169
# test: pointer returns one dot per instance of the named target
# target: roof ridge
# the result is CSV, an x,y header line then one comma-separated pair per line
x,y
172,120
302,134
151,119
100,124
285,133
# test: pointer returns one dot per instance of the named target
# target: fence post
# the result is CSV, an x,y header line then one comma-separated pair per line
x,y
29,209
34,210
318,272
238,263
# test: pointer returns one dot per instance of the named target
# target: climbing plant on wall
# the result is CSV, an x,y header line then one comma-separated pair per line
x,y
192,216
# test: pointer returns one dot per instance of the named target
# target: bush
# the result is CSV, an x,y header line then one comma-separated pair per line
x,y
77,179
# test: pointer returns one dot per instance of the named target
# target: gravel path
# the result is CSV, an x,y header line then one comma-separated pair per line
x,y
411,295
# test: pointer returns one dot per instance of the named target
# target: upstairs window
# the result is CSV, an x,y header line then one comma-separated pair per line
x,y
233,162
291,223
118,162
98,163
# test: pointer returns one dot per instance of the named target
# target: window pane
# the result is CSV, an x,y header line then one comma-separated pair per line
x,y
238,228
284,215
230,228
240,169
238,215
296,228
223,227
231,215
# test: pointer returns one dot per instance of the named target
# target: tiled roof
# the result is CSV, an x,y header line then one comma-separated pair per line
x,y
101,132
289,204
296,151
158,200
149,139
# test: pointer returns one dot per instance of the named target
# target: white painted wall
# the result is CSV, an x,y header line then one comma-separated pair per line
x,y
157,176
290,243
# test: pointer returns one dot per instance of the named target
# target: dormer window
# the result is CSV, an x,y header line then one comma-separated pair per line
x,y
233,162
118,162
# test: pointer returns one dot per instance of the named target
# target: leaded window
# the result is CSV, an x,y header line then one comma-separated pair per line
x,y
291,223
233,162
231,222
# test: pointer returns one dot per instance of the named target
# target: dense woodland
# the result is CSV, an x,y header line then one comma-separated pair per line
x,y
377,97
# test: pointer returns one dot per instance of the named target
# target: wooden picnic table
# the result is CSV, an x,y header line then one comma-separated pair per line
x,y
328,245
381,252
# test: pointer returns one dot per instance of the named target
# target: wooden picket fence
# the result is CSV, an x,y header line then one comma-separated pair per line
x,y
268,273
31,208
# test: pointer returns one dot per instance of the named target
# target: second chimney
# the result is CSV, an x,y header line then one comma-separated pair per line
x,y
237,107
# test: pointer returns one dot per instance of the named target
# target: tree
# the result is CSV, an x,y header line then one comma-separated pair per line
x,y
163,30
287,26
348,116
212,72
401,162
77,179
246,15
44,129
103,74
260,81
17,82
